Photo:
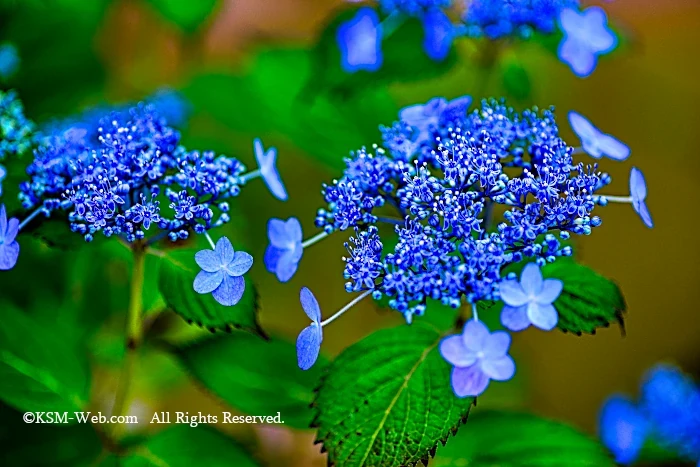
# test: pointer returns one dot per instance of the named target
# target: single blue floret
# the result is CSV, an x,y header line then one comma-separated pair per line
x,y
530,300
623,429
586,35
360,41
310,338
439,34
267,163
638,192
222,272
9,248
285,250
596,143
478,356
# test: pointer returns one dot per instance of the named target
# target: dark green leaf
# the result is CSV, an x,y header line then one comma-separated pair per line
x,y
387,400
503,439
184,446
42,370
35,444
177,272
516,81
588,301
265,382
185,14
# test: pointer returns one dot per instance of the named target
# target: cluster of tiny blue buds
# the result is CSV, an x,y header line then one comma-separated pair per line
x,y
16,131
440,178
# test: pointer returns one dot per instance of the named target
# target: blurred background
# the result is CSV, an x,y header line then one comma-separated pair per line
x,y
247,69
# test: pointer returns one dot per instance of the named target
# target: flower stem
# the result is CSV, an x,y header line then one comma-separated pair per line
x,y
346,307
250,175
29,218
211,242
314,239
618,199
133,335
391,220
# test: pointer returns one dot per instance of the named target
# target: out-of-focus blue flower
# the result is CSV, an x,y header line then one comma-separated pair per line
x,y
171,105
9,248
425,118
596,143
285,249
3,174
530,301
623,429
638,192
222,272
439,34
360,41
9,61
16,131
586,35
310,338
412,7
478,357
267,162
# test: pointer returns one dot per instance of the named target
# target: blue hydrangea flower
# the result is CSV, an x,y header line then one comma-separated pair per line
x,y
439,34
9,248
530,301
285,250
310,338
623,429
359,40
638,192
425,118
596,143
586,35
412,7
478,356
16,131
222,272
9,60
267,162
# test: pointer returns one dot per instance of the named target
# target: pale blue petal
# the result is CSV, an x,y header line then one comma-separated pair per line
x,y
286,266
272,257
241,263
208,260
359,41
3,221
582,127
277,233
455,353
259,151
438,34
638,185
207,282
496,345
12,230
230,291
544,317
9,252
598,36
512,293
570,20
475,335
225,250
309,346
310,305
531,279
499,369
293,228
613,148
469,381
643,212
579,58
515,318
273,181
623,429
550,291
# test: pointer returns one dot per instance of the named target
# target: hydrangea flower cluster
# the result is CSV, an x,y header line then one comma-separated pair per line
x,y
16,131
586,33
437,180
668,413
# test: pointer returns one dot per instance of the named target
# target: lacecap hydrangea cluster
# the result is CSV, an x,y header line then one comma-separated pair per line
x,y
122,172
667,414
16,131
439,181
586,32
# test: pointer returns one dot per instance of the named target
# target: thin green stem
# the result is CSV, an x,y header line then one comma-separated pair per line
x,y
133,335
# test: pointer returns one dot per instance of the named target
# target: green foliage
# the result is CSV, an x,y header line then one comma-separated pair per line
x,y
41,370
516,81
255,376
177,272
184,446
387,400
588,301
188,15
504,439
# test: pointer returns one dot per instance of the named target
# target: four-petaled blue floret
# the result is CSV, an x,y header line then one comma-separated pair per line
x,y
360,42
222,272
586,35
9,248
530,300
283,254
310,338
594,142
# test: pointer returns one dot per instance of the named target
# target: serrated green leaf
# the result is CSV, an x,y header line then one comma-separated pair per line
x,y
265,384
184,446
589,301
177,272
188,15
504,439
387,400
40,370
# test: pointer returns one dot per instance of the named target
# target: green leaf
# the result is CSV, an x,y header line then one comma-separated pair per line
x,y
588,301
387,400
184,446
41,370
516,81
265,384
177,272
58,445
504,439
188,15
